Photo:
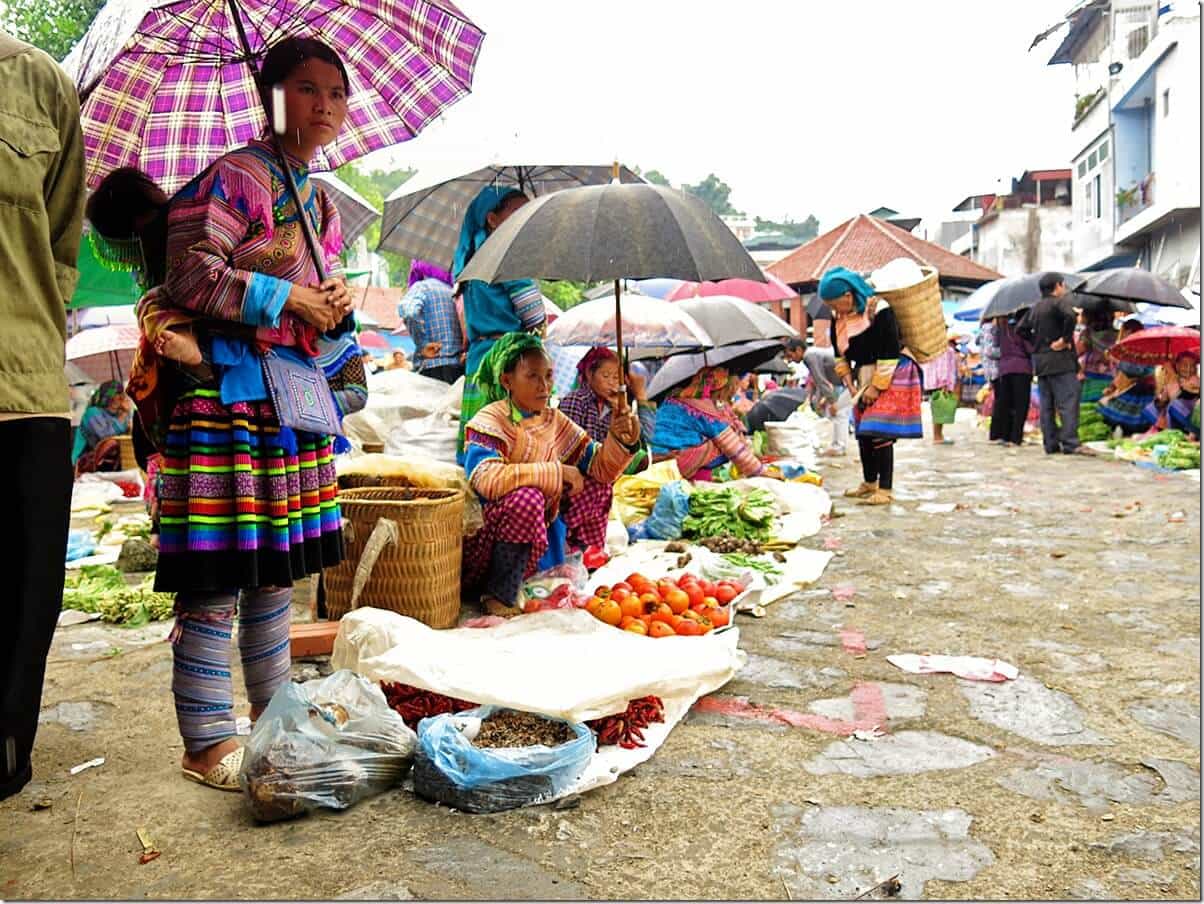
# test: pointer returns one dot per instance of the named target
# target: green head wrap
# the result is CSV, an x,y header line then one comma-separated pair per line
x,y
500,358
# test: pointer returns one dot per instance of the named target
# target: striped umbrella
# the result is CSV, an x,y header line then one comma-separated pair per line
x,y
169,87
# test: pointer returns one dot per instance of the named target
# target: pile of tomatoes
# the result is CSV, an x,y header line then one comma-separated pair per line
x,y
687,607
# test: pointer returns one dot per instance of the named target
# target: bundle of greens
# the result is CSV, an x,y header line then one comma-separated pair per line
x,y
1181,453
1092,427
741,560
729,512
103,589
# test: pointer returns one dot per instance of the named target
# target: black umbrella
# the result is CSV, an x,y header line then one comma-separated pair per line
x,y
1089,304
739,359
1135,285
1007,296
613,232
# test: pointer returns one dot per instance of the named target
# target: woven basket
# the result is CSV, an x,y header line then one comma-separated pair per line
x,y
921,319
125,444
361,481
402,554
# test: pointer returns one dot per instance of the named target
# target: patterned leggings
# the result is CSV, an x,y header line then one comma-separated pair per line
x,y
201,646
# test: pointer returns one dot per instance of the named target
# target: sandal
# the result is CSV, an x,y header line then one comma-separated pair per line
x,y
861,492
223,776
878,497
494,606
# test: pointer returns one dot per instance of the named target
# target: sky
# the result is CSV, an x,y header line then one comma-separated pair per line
x,y
803,107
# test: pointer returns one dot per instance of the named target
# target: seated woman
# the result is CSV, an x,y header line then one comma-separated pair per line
x,y
544,483
106,417
1092,339
1125,402
1176,403
697,427
592,403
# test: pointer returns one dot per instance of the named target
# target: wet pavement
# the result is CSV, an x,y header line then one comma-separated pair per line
x,y
819,772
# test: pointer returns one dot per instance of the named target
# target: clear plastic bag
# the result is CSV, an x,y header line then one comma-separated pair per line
x,y
326,743
670,511
450,769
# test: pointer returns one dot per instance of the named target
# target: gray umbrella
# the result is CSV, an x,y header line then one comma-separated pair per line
x,y
423,217
740,358
730,319
356,212
1135,285
1007,296
776,365
613,232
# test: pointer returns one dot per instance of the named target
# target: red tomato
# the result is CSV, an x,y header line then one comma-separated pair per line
x,y
631,605
694,593
637,627
708,589
678,601
622,585
650,598
688,628
719,617
661,629
725,593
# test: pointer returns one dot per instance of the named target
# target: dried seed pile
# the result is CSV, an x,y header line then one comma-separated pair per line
x,y
509,728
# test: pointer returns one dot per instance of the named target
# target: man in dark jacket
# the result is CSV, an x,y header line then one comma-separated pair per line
x,y
1049,328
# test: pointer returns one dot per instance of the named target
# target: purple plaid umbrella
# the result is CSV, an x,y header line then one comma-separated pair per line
x,y
179,91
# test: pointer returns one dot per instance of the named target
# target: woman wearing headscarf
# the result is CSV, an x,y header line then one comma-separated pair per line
x,y
106,417
1093,338
545,484
1124,403
697,427
877,371
1176,404
591,403
491,310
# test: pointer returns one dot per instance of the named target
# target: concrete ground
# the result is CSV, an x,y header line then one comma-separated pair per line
x,y
1078,779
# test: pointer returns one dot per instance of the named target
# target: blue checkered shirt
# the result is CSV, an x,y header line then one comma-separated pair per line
x,y
429,312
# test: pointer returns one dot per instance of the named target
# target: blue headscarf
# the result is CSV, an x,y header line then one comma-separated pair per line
x,y
839,280
472,230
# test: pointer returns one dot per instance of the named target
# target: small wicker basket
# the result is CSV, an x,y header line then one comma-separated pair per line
x,y
921,318
403,547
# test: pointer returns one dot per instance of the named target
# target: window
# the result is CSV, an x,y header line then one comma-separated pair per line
x,y
1089,191
1103,151
1092,160
1082,168
1166,102
1098,196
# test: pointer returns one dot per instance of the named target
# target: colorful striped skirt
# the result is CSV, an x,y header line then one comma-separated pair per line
x,y
1128,411
242,505
1093,386
895,414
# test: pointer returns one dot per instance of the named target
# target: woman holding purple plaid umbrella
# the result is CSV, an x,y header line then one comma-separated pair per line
x,y
247,504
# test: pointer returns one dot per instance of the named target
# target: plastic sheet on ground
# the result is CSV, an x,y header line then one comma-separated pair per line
x,y
972,668
562,663
93,493
801,505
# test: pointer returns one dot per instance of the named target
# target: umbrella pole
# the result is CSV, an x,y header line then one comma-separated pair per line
x,y
290,181
619,328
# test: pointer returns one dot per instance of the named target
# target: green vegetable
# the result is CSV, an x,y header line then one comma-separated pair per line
x,y
741,560
103,589
730,513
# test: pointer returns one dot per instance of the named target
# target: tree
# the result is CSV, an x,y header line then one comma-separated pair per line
x,y
804,231
375,187
714,191
50,25
656,177
564,293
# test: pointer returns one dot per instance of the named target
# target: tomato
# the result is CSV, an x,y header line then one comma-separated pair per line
x,y
709,602
631,605
640,584
622,585
736,584
609,612
694,593
603,592
651,598
687,627
678,601
708,589
594,558
686,578
592,606
657,612
661,629
664,588
725,594
699,615
637,627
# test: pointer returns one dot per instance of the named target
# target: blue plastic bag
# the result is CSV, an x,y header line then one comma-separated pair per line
x,y
669,513
80,544
451,769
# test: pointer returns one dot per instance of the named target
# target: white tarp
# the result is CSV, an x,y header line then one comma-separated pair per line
x,y
563,663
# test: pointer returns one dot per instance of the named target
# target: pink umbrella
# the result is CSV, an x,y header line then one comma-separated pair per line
x,y
105,352
373,339
749,290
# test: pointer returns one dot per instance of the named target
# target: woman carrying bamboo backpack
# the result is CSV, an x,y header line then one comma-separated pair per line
x,y
881,377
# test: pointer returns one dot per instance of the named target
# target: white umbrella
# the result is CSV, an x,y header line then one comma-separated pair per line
x,y
730,319
104,353
119,315
423,216
648,323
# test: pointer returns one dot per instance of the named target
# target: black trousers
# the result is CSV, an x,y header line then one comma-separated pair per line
x,y
35,459
877,461
1012,394
448,373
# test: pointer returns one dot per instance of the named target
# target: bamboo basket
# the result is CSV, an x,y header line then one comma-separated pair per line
x,y
921,319
402,553
125,444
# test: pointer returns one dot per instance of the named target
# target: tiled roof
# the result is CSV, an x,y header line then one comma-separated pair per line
x,y
866,243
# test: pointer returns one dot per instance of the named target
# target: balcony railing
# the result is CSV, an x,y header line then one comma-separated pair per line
x,y
1133,200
